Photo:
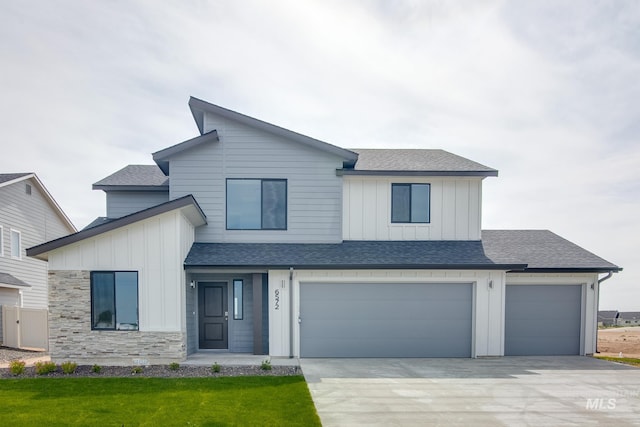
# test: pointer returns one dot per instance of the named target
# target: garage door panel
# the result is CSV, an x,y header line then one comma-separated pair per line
x,y
543,320
385,320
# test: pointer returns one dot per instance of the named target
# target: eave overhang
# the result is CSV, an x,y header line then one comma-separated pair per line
x,y
195,215
341,172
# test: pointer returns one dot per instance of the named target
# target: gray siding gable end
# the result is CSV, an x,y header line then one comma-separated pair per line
x,y
162,157
199,108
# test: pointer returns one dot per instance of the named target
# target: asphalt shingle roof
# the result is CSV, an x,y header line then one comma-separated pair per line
x,y
418,160
135,176
540,249
8,279
6,177
497,250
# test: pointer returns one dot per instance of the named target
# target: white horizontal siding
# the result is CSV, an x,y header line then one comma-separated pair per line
x,y
155,248
314,192
37,221
455,209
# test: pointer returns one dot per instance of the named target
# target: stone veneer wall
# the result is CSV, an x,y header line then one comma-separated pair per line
x,y
71,337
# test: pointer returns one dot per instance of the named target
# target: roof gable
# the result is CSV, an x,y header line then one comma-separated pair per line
x,y
7,179
162,157
187,203
199,108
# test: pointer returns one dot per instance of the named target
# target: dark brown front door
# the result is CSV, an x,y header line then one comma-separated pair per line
x,y
214,314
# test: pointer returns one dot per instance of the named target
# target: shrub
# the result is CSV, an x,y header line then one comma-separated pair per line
x,y
44,368
215,368
96,369
69,367
266,365
174,366
136,370
16,367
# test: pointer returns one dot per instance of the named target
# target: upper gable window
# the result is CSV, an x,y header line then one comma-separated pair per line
x,y
256,204
410,203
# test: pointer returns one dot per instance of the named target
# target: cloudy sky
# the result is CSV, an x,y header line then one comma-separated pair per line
x,y
547,92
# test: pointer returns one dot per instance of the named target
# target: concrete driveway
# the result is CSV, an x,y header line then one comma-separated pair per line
x,y
511,391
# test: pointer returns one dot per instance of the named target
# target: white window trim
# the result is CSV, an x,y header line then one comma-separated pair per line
x,y
19,244
1,240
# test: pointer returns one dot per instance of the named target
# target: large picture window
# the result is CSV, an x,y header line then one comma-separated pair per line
x,y
114,300
256,204
410,203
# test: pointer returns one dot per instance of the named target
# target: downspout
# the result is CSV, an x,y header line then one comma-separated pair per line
x,y
607,277
291,312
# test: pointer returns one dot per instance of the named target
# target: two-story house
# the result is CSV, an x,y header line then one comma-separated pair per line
x,y
29,215
253,238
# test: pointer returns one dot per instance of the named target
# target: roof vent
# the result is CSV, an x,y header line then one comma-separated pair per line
x,y
28,189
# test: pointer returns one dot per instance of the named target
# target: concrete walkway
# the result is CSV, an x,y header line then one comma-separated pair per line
x,y
511,391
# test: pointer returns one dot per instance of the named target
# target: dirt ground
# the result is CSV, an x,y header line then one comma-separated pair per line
x,y
613,341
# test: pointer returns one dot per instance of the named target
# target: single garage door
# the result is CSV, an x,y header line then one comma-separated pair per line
x,y
385,320
542,320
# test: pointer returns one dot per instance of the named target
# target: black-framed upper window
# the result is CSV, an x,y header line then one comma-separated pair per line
x,y
256,204
410,203
114,300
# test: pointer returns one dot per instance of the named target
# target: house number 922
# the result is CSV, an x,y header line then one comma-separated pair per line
x,y
277,294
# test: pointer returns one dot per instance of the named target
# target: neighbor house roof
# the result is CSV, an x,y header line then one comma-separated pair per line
x,y
498,250
415,162
629,315
7,280
7,179
607,314
199,108
187,203
135,178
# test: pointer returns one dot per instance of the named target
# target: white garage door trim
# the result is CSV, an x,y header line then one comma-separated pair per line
x,y
541,320
359,319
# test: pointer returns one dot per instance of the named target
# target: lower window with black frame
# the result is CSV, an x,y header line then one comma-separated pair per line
x,y
114,300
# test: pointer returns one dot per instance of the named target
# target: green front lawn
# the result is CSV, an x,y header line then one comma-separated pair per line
x,y
626,360
242,401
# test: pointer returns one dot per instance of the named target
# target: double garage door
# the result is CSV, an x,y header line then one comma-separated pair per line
x,y
543,320
385,320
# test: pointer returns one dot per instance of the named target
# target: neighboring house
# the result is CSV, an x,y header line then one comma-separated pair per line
x,y
253,238
28,216
628,318
607,317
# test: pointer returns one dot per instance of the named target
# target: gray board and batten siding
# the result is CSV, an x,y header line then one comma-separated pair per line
x,y
314,192
385,320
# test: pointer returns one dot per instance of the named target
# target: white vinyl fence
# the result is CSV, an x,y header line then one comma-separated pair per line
x,y
25,327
